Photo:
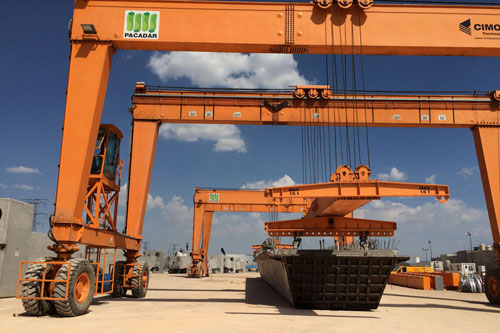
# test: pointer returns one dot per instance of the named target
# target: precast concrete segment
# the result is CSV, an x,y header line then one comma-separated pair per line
x,y
17,242
329,280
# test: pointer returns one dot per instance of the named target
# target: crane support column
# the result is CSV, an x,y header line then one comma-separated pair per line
x,y
487,140
197,232
90,64
144,139
202,224
207,227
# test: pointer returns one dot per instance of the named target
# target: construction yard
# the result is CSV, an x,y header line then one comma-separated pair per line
x,y
354,156
245,303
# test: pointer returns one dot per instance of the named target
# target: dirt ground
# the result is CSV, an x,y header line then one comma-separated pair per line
x,y
245,303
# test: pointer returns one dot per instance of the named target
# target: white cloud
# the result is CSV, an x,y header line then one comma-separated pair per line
x,y
467,172
23,169
394,175
227,137
23,187
239,224
234,70
431,179
155,202
175,211
286,180
3,186
122,199
453,213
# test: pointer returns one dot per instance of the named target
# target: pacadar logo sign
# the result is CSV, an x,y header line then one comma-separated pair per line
x,y
213,197
480,30
141,24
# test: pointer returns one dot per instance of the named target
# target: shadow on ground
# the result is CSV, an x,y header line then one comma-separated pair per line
x,y
258,292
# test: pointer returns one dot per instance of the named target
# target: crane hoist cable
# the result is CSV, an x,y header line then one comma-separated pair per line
x,y
364,92
356,143
345,74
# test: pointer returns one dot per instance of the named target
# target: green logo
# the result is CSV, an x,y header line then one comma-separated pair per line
x,y
141,24
213,197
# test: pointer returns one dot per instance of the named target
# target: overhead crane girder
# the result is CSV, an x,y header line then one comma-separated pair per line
x,y
267,27
366,109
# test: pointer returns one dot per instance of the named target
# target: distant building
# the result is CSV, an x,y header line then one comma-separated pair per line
x,y
481,256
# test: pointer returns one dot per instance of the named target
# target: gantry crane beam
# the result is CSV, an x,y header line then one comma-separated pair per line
x,y
260,27
282,108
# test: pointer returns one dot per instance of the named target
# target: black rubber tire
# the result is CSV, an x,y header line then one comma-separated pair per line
x,y
35,307
138,288
494,298
70,307
119,291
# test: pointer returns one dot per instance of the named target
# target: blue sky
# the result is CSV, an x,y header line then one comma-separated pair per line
x,y
34,65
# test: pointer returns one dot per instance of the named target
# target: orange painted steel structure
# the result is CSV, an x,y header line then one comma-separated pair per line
x,y
208,201
411,280
283,108
255,27
260,27
479,113
247,27
424,280
327,208
330,226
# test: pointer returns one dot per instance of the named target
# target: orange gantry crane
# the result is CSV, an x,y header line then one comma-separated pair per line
x,y
208,201
101,27
326,207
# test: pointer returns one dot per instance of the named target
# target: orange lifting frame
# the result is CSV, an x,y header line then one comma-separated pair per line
x,y
330,226
255,27
321,218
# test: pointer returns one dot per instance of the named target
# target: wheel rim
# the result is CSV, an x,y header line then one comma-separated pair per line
x,y
145,280
82,287
493,286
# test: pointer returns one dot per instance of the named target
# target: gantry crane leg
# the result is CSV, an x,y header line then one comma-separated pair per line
x,y
487,140
207,227
88,78
202,225
194,270
144,139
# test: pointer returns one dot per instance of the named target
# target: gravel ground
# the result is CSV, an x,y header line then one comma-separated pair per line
x,y
245,303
